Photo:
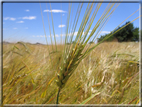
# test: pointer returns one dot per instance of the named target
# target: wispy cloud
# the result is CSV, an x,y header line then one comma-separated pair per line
x,y
5,18
75,33
61,26
20,22
42,36
105,32
9,18
15,28
53,35
27,10
29,18
38,36
63,14
55,11
70,34
12,19
58,35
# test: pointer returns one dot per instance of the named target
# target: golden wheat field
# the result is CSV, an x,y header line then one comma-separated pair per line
x,y
108,75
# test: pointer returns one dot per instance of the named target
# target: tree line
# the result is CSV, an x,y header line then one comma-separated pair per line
x,y
127,34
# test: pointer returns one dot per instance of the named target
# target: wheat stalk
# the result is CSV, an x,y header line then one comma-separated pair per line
x,y
73,54
70,65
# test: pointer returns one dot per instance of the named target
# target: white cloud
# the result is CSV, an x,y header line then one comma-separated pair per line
x,y
15,28
75,33
70,34
55,11
53,35
61,26
105,32
46,11
86,32
29,18
39,36
27,10
12,18
20,22
9,18
5,18
90,30
83,33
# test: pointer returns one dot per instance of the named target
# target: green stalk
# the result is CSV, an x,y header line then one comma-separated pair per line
x,y
57,102
49,28
53,27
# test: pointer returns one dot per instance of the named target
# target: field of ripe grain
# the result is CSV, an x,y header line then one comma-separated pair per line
x,y
108,75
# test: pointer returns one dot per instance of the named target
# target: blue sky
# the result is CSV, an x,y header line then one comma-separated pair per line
x,y
23,21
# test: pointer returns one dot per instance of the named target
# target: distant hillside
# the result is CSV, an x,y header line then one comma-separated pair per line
x,y
38,43
5,42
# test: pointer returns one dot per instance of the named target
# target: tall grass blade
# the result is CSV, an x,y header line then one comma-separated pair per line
x,y
49,28
53,27
88,99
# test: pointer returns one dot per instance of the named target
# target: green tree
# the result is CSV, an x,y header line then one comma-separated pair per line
x,y
135,34
128,33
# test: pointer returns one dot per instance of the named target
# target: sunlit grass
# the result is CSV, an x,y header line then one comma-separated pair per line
x,y
74,72
110,71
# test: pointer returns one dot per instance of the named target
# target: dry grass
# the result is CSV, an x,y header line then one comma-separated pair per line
x,y
110,71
